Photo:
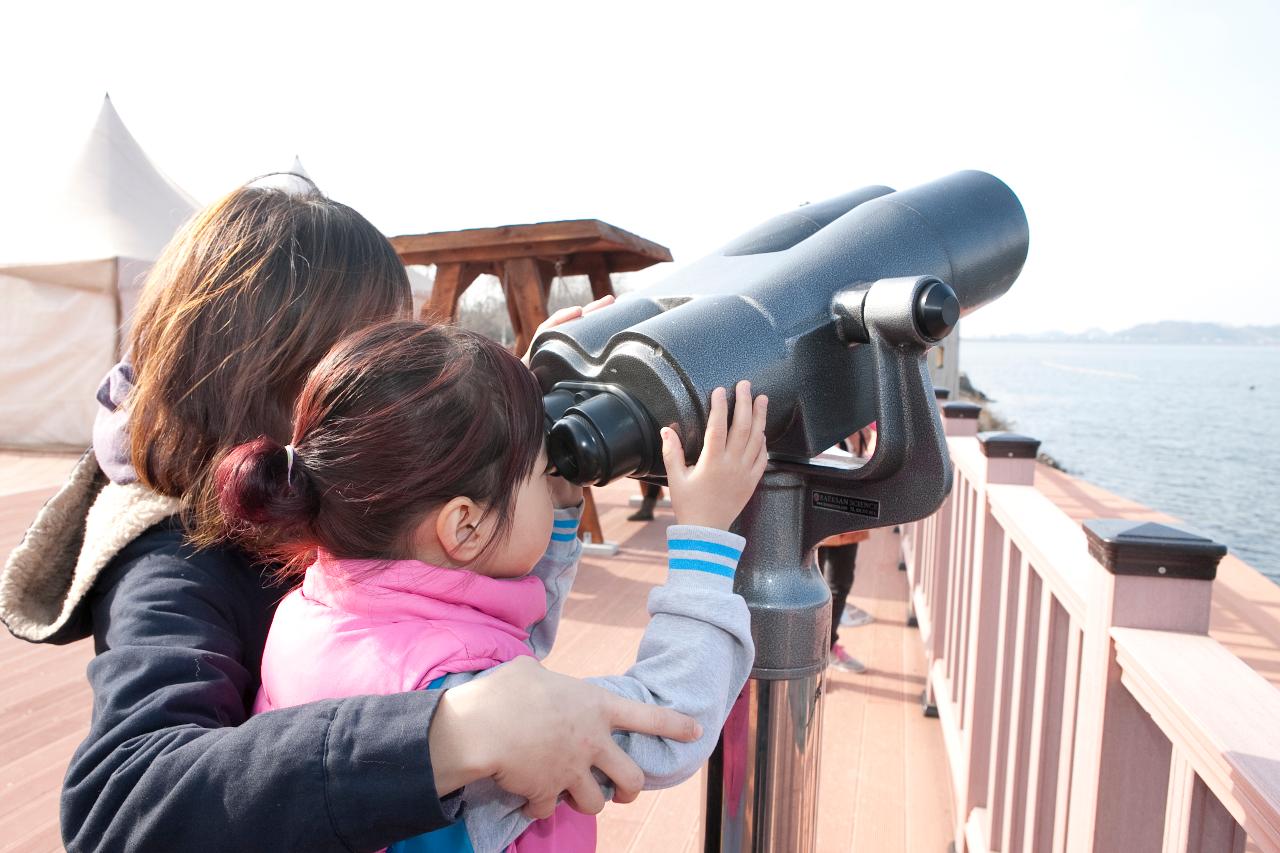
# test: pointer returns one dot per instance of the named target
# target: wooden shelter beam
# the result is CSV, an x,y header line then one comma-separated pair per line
x,y
451,281
526,298
597,272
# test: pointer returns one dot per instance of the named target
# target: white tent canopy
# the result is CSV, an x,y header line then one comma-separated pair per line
x,y
70,269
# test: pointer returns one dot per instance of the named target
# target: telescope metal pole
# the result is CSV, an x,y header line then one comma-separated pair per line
x,y
762,780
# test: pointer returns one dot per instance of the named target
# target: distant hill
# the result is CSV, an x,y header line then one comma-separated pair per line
x,y
1164,332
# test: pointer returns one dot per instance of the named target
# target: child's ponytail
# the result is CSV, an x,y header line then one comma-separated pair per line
x,y
264,491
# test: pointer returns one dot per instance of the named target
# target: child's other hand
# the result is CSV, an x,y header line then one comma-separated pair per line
x,y
564,315
563,493
713,492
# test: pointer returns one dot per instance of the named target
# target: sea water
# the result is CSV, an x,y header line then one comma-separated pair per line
x,y
1193,431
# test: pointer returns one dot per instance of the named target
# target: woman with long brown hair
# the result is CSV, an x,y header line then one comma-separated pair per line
x,y
133,550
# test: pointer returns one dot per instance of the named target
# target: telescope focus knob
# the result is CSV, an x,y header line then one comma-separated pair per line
x,y
916,310
937,310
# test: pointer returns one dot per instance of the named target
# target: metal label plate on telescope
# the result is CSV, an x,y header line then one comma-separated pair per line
x,y
845,503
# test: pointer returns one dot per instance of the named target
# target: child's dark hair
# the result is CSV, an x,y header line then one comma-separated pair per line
x,y
397,419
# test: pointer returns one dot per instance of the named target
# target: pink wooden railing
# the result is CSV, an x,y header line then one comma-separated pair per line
x,y
1082,703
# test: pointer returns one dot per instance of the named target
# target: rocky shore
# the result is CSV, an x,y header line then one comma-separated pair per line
x,y
991,420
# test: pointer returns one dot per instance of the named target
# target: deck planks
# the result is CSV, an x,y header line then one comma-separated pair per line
x,y
884,775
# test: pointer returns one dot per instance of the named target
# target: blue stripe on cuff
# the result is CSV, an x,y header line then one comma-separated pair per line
x,y
706,547
702,566
571,523
563,537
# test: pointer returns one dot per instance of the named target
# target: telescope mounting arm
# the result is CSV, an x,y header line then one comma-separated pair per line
x,y
900,319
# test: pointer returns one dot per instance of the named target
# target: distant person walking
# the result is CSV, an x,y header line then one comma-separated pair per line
x,y
650,494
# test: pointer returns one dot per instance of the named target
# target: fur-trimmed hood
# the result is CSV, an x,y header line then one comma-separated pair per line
x,y
74,536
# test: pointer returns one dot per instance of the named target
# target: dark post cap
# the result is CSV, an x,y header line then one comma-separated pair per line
x,y
941,393
1008,445
964,411
1145,548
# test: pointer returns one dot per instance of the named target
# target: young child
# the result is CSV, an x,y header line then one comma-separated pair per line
x,y
432,545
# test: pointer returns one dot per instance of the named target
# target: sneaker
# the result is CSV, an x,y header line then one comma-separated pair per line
x,y
842,660
855,617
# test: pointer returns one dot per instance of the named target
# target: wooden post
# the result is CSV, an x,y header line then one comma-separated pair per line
x,y
1009,459
526,298
547,271
451,281
598,275
958,420
1157,578
591,519
911,542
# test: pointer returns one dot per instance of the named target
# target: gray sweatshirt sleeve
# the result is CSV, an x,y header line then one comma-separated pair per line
x,y
695,656
557,569
696,653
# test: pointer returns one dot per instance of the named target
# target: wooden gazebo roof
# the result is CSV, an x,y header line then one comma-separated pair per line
x,y
571,240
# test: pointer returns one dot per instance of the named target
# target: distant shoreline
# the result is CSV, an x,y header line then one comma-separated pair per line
x,y
1166,332
1018,339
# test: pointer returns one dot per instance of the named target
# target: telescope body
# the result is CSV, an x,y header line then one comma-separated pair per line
x,y
829,310
785,306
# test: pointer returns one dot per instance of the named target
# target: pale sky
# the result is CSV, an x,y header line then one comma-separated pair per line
x,y
1141,138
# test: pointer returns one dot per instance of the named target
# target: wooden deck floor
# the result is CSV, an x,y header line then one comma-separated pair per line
x,y
884,778
44,702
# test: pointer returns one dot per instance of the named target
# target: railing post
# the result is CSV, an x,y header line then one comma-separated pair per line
x,y
958,420
1010,459
912,540
940,395
1156,577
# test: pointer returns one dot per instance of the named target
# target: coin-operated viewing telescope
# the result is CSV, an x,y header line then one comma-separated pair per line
x,y
828,310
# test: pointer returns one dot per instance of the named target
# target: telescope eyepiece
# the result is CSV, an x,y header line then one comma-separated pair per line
x,y
576,449
603,436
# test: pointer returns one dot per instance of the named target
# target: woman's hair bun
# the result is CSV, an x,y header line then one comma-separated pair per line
x,y
260,487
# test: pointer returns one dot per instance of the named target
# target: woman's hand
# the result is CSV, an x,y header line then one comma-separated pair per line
x,y
713,492
539,733
564,315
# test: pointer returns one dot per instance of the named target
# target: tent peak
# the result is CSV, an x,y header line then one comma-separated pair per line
x,y
114,204
294,179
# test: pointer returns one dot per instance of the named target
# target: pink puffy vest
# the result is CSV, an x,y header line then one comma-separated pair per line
x,y
360,627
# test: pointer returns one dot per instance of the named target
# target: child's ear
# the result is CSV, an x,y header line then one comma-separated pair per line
x,y
460,529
